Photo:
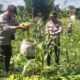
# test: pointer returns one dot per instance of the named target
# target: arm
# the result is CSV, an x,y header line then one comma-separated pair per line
x,y
59,30
7,27
47,34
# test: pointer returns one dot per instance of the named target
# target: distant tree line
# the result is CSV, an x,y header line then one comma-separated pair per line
x,y
40,7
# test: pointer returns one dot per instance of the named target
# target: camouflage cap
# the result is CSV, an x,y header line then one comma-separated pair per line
x,y
12,8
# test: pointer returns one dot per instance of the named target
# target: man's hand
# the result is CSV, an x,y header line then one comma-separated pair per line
x,y
52,33
24,26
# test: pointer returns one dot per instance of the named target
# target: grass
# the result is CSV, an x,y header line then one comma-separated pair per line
x,y
35,70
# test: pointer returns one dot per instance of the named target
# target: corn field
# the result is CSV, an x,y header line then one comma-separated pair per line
x,y
36,69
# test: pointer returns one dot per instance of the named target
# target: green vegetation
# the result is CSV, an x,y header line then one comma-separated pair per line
x,y
36,69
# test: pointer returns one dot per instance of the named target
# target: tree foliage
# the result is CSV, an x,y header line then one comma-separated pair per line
x,y
39,6
72,7
29,5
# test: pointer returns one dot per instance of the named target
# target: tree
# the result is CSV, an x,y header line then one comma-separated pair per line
x,y
29,6
71,7
21,10
43,7
22,14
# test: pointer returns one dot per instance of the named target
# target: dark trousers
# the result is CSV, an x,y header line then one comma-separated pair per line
x,y
56,50
6,52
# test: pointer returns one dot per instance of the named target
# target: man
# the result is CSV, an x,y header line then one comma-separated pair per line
x,y
53,29
69,28
8,27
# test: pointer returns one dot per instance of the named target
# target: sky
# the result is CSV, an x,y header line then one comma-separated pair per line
x,y
5,3
8,2
75,3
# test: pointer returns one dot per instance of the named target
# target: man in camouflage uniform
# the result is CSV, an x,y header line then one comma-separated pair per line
x,y
53,29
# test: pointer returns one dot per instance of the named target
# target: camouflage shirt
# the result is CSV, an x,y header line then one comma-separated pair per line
x,y
53,29
7,29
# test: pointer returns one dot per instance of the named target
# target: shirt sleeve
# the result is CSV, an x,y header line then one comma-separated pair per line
x,y
7,27
11,25
59,30
12,29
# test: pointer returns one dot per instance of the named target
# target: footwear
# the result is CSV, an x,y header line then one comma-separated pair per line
x,y
57,62
48,64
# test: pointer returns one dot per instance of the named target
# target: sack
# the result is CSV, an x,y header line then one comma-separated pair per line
x,y
28,49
